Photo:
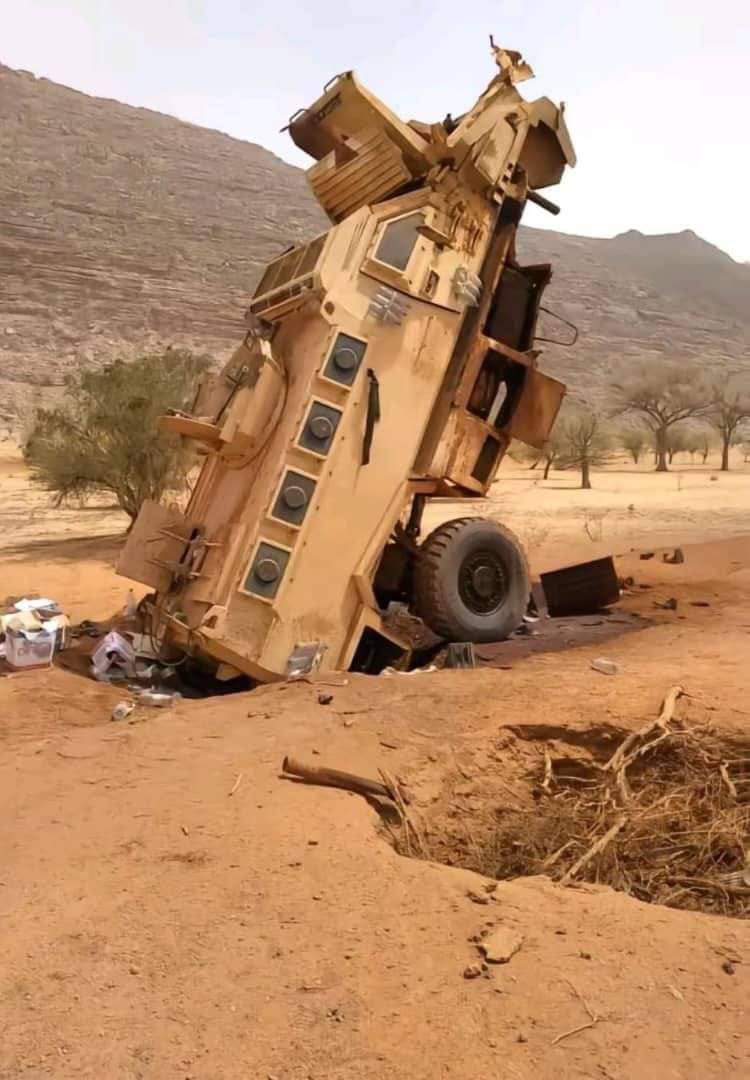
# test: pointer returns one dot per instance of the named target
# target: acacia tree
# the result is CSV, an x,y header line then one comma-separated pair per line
x,y
705,445
534,458
105,435
585,443
730,407
633,440
663,397
552,453
678,441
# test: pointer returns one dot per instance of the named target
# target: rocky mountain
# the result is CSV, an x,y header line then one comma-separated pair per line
x,y
637,298
123,229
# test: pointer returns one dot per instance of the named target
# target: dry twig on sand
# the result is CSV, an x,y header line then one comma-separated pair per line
x,y
592,1021
409,826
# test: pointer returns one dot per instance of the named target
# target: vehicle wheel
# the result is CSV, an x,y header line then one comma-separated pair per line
x,y
471,581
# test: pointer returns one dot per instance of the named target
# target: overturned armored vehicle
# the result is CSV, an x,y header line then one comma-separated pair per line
x,y
389,361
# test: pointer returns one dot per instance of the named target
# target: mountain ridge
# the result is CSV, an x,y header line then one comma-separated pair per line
x,y
124,229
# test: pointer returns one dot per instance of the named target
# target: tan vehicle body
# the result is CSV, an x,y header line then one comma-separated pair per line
x,y
382,364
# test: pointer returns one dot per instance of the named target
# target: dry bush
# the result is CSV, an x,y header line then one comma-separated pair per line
x,y
666,819
593,524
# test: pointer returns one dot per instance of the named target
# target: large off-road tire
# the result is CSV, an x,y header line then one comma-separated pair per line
x,y
471,581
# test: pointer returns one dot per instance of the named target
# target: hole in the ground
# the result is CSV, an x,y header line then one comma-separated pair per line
x,y
662,814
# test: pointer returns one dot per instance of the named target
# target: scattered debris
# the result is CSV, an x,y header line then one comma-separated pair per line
x,y
700,603
584,589
325,699
113,658
605,666
501,945
666,605
122,710
728,967
414,671
473,971
645,555
677,557
32,630
460,654
160,699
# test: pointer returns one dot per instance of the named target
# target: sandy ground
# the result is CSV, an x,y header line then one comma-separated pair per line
x,y
157,926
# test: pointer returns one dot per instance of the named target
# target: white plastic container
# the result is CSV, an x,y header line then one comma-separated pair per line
x,y
29,649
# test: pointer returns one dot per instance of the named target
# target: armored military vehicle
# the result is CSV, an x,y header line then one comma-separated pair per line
x,y
387,362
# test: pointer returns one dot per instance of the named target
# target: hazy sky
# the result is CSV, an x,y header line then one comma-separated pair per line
x,y
656,90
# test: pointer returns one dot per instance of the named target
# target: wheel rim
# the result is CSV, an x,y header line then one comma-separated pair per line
x,y
482,582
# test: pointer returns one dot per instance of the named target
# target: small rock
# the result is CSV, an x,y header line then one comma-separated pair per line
x,y
491,886
325,699
728,967
585,955
561,932
676,558
317,896
699,603
134,970
478,898
473,971
501,945
521,1037
348,723
666,605
604,666
312,843
646,555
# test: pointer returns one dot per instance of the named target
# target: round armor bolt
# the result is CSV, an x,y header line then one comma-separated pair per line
x,y
267,570
321,427
295,497
345,359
